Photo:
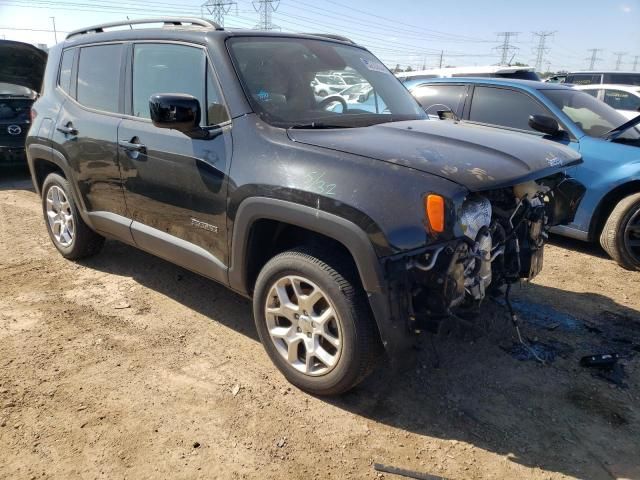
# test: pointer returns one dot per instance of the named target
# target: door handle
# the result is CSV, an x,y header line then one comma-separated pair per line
x,y
132,147
68,129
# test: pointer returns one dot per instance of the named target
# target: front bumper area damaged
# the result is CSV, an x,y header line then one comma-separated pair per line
x,y
503,242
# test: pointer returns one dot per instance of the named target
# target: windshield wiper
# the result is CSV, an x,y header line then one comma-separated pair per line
x,y
318,125
616,132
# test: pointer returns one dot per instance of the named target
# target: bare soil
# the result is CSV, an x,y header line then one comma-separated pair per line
x,y
125,366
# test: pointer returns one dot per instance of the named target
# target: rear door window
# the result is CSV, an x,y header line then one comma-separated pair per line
x,y
99,77
503,107
621,100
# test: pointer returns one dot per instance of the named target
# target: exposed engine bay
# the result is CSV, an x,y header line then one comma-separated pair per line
x,y
504,232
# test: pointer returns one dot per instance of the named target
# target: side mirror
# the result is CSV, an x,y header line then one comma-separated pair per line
x,y
362,98
177,111
544,124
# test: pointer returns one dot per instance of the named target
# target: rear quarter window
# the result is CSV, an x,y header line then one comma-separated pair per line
x,y
622,78
66,64
99,77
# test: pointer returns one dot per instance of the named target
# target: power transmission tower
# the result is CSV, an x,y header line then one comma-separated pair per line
x,y
507,47
541,50
619,59
635,62
594,57
266,8
218,9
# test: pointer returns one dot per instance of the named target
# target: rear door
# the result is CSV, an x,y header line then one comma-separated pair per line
x,y
176,186
86,130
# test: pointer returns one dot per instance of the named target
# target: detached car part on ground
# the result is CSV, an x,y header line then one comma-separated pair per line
x,y
21,71
351,231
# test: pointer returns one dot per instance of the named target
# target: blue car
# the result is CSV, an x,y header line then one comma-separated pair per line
x,y
608,141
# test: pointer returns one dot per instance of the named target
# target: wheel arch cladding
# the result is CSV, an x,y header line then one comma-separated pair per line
x,y
356,242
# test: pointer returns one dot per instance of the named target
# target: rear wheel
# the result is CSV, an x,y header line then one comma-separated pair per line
x,y
621,234
314,322
68,232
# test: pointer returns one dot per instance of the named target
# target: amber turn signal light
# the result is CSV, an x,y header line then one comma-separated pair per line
x,y
434,208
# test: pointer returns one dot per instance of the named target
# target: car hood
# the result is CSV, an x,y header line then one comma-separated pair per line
x,y
22,64
479,158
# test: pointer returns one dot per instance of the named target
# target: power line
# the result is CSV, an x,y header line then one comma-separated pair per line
x,y
541,49
218,9
421,29
619,59
507,47
266,8
594,57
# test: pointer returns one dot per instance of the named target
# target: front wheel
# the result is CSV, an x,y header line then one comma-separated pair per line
x,y
314,322
621,234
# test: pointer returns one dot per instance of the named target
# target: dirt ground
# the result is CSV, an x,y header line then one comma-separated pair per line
x,y
125,366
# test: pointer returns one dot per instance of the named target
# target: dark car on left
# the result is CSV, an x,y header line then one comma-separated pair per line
x,y
21,71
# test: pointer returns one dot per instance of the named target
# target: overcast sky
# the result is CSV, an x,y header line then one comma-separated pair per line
x,y
408,32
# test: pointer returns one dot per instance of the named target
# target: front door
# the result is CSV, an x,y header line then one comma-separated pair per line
x,y
176,186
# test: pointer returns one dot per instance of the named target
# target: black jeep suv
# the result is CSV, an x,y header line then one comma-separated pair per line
x,y
353,228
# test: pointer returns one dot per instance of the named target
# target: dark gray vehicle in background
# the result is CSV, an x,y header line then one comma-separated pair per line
x,y
352,230
21,71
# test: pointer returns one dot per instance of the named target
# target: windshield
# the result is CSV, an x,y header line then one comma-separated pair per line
x,y
595,118
331,79
352,80
277,75
359,88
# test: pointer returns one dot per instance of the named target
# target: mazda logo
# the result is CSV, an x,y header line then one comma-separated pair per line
x,y
14,130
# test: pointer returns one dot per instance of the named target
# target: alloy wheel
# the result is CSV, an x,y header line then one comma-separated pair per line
x,y
304,325
60,216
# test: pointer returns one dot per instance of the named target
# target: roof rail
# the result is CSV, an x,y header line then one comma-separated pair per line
x,y
332,37
201,22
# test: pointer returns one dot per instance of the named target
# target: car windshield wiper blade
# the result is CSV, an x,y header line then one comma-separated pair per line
x,y
318,125
614,133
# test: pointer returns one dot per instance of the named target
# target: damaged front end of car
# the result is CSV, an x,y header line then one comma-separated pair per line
x,y
497,238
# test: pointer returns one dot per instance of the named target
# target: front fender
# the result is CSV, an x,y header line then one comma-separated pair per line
x,y
393,331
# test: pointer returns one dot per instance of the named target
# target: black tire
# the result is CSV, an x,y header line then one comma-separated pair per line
x,y
616,237
85,242
361,345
